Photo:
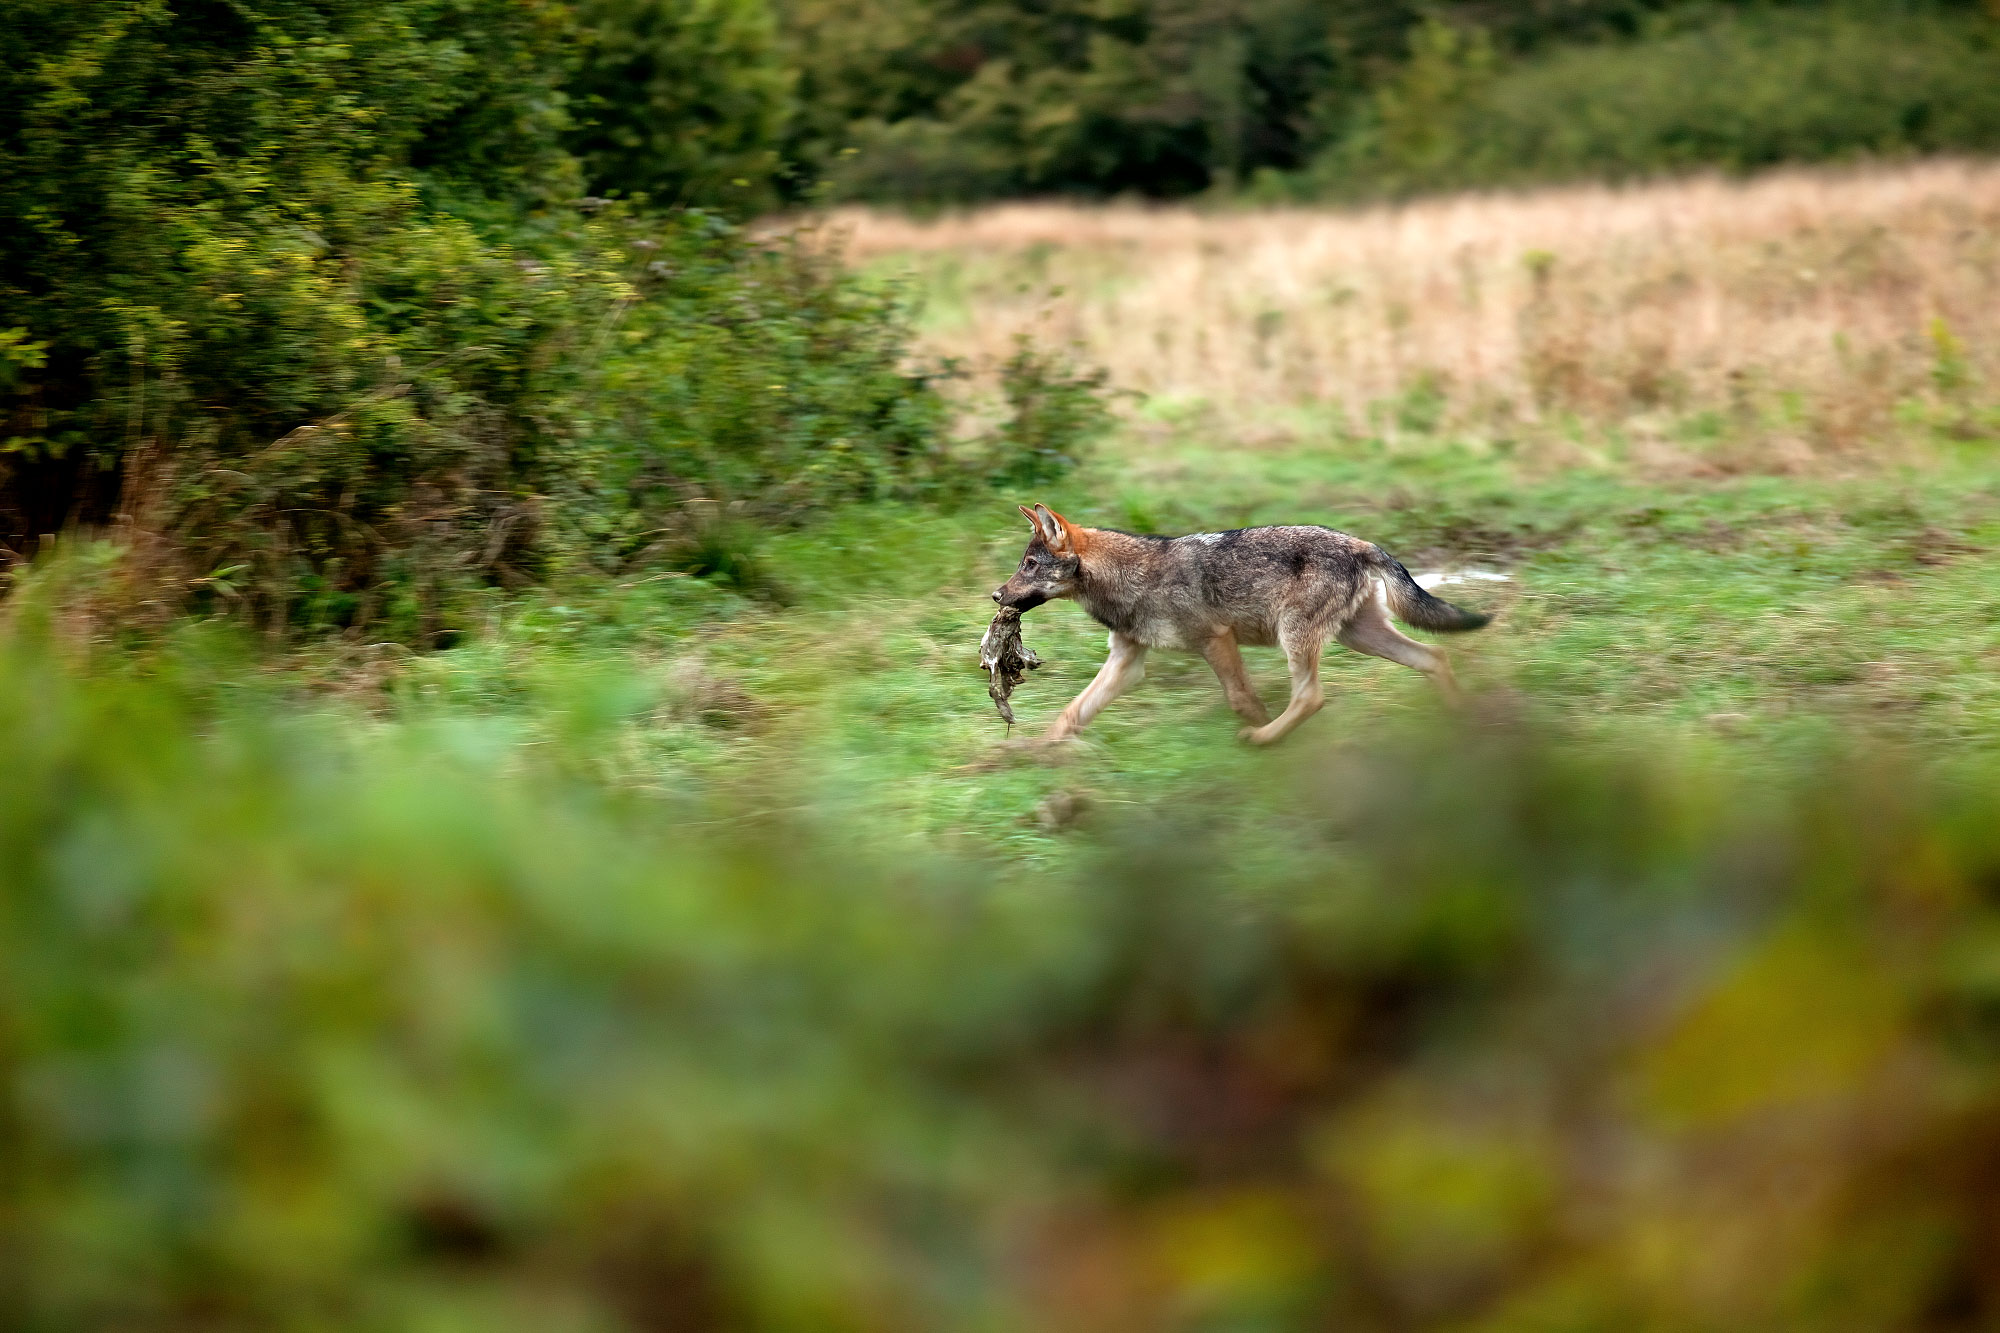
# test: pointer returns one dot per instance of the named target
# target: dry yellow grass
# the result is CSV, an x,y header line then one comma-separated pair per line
x,y
1815,302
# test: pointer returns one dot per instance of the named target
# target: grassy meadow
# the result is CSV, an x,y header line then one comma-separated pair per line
x,y
1735,446
1804,309
690,952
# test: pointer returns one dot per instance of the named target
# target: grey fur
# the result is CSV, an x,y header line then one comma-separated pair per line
x,y
1292,587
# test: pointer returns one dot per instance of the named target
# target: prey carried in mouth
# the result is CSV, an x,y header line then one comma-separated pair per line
x,y
1003,656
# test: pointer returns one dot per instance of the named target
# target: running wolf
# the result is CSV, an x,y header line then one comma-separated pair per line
x,y
1295,587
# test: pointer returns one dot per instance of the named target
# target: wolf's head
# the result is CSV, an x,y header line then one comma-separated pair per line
x,y
1049,565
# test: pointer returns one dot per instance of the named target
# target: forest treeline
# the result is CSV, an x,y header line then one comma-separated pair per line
x,y
936,101
313,1022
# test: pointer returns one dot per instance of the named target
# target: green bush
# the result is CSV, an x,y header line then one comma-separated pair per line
x,y
1055,412
1738,92
682,100
304,295
310,1024
193,197
919,162
750,371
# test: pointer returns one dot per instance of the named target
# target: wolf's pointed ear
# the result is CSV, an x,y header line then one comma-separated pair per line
x,y
1055,528
1034,519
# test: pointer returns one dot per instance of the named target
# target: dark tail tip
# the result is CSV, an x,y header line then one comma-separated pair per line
x,y
1416,605
1440,616
1458,620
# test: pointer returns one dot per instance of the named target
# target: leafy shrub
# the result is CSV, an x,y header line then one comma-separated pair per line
x,y
1055,412
919,162
753,371
303,294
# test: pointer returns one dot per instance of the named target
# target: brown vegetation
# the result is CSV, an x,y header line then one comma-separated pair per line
x,y
1812,303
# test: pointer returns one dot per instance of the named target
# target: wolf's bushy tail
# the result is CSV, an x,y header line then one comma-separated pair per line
x,y
1414,606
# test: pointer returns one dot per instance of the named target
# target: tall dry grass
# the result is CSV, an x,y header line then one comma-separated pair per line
x,y
1812,303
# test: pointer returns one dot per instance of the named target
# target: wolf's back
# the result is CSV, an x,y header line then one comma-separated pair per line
x,y
1413,605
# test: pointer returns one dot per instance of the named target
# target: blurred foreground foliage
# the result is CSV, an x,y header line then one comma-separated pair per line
x,y
308,1021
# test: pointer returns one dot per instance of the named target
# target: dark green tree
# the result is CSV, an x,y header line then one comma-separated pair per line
x,y
682,100
969,97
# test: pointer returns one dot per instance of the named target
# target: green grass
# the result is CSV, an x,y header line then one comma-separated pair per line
x,y
1755,614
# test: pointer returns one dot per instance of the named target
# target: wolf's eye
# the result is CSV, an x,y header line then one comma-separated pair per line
x,y
1030,562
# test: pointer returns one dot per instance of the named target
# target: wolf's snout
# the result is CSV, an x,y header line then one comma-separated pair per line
x,y
998,591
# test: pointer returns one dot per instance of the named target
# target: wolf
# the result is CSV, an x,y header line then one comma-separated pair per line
x,y
1209,593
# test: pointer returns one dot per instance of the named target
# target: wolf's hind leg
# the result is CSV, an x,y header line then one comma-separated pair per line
x,y
1302,645
1120,672
1370,632
1222,654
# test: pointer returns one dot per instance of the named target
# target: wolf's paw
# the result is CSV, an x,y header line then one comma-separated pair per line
x,y
1256,735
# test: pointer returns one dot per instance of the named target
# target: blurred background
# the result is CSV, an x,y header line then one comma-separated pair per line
x,y
501,824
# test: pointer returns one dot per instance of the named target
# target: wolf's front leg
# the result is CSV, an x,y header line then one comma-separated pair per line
x,y
1120,672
